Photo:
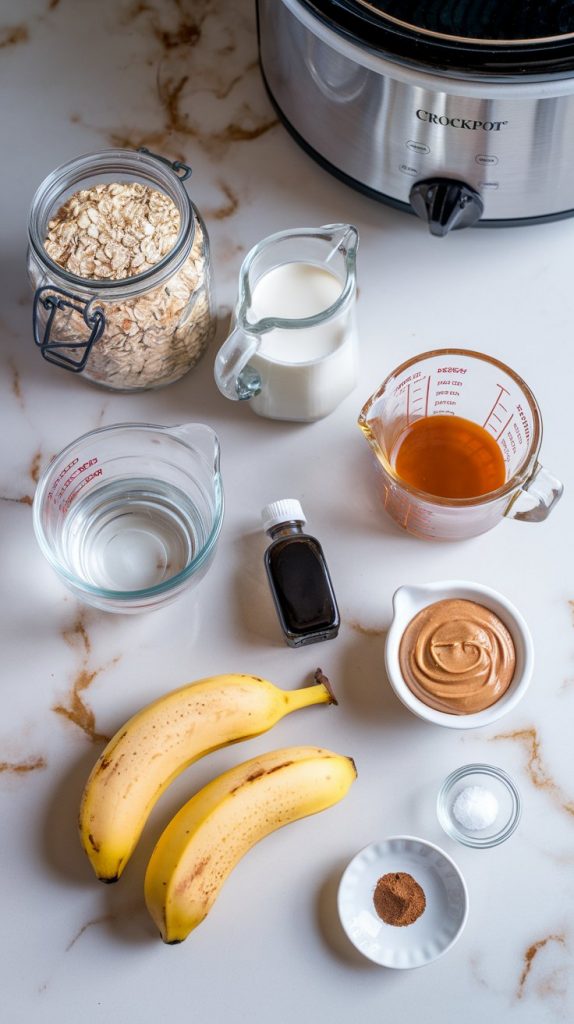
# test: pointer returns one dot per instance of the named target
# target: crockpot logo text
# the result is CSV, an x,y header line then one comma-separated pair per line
x,y
460,122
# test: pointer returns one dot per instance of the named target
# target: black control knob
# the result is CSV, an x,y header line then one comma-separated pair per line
x,y
446,204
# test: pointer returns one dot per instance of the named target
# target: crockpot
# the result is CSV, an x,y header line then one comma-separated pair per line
x,y
461,111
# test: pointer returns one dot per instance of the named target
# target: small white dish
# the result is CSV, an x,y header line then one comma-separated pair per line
x,y
408,601
438,927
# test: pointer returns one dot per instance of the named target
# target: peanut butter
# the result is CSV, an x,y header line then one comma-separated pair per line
x,y
457,656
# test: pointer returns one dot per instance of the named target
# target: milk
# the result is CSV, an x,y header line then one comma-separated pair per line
x,y
305,372
295,291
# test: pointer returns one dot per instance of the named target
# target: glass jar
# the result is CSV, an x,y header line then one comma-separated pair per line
x,y
134,333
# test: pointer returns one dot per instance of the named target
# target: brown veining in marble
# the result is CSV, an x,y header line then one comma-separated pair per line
x,y
89,924
186,33
32,764
187,24
157,141
236,132
75,709
34,469
124,912
15,384
243,129
189,64
536,770
226,209
24,500
134,10
78,634
529,956
16,389
214,143
358,627
13,35
222,90
169,93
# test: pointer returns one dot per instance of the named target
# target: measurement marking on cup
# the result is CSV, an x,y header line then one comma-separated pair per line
x,y
65,507
493,415
419,394
510,418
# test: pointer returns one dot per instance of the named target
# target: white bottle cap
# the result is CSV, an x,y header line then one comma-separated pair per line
x,y
284,511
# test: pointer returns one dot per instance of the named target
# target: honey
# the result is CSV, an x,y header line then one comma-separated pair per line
x,y
449,457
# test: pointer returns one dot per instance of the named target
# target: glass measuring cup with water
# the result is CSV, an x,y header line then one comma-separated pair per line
x,y
292,351
475,387
129,515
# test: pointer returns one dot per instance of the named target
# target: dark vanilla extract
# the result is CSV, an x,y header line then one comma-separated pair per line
x,y
299,578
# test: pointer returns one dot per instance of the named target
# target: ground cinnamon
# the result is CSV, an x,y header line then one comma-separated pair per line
x,y
398,899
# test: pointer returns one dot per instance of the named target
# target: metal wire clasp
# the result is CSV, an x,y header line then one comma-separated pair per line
x,y
176,165
51,350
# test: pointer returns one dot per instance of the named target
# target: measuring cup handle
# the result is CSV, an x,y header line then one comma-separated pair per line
x,y
536,499
233,376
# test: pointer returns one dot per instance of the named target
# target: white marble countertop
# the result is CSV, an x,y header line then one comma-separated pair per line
x,y
181,76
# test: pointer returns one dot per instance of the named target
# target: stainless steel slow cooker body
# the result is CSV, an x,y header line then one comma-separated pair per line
x,y
457,148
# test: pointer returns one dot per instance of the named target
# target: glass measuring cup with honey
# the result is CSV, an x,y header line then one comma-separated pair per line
x,y
457,435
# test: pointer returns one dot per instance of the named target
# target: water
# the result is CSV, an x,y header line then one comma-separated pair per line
x,y
132,534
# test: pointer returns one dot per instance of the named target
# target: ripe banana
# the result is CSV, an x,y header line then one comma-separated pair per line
x,y
213,830
160,741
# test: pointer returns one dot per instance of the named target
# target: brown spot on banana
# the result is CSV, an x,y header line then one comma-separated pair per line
x,y
257,775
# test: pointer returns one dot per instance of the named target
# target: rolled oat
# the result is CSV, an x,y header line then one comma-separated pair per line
x,y
115,232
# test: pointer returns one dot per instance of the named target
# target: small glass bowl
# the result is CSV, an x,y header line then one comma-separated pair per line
x,y
498,783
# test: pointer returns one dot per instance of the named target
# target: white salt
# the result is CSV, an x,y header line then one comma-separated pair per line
x,y
475,807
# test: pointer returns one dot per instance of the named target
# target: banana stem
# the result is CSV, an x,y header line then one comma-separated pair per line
x,y
320,693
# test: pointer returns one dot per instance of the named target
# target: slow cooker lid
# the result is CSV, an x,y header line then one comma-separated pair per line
x,y
516,39
481,22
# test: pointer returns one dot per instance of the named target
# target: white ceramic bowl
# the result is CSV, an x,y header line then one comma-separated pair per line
x,y
409,600
438,927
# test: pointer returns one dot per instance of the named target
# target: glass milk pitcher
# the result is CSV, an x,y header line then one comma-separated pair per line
x,y
292,351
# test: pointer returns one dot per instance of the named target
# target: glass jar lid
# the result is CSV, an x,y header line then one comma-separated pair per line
x,y
113,166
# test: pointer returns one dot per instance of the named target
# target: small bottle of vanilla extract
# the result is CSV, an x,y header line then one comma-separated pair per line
x,y
298,576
